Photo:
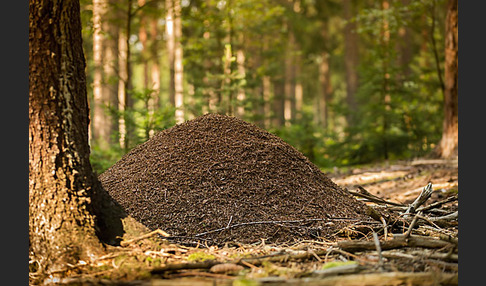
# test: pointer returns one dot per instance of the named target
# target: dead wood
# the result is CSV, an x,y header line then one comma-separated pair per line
x,y
438,204
421,199
363,193
150,234
398,241
338,270
421,254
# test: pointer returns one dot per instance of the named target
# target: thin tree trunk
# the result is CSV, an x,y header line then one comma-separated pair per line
x,y
169,30
278,102
448,146
289,89
385,43
144,53
434,48
64,194
241,96
105,89
174,54
405,48
326,89
155,71
143,37
128,100
178,66
122,81
267,94
299,89
350,59
125,100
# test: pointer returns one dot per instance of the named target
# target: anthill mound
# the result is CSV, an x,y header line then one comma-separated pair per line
x,y
218,178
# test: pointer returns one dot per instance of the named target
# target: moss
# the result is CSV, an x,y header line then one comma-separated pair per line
x,y
337,263
200,256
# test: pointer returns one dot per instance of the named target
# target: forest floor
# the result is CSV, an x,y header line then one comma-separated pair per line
x,y
420,248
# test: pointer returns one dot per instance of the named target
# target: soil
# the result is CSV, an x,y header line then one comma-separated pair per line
x,y
218,179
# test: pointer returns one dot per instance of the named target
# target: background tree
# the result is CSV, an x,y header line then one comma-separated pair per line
x,y
449,143
105,74
290,66
66,201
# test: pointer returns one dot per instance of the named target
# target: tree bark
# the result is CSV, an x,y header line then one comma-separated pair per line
x,y
65,197
448,146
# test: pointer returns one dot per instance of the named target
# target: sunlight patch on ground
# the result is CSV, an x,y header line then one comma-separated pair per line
x,y
369,177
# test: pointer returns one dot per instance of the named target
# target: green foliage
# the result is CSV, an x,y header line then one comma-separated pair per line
x,y
308,138
398,115
102,159
399,112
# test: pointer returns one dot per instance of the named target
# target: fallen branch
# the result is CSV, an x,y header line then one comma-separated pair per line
x,y
451,216
398,241
438,204
363,193
378,249
271,222
422,198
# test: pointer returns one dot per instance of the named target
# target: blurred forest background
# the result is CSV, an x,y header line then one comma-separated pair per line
x,y
345,82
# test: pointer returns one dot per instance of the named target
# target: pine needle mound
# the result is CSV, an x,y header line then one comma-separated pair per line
x,y
218,178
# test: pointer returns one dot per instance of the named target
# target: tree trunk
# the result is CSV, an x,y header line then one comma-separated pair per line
x,y
385,92
122,82
155,71
105,88
278,102
448,146
65,196
326,89
178,66
143,38
266,96
289,89
169,30
174,53
241,96
350,59
125,87
405,48
299,89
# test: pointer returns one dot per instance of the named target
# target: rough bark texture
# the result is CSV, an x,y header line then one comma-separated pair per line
x,y
63,192
448,146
